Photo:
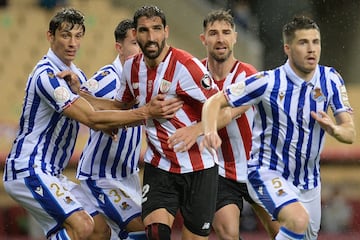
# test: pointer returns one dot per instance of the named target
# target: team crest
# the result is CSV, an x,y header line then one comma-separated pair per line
x,y
135,85
164,86
317,95
68,200
237,89
92,85
51,75
105,73
61,94
125,206
281,192
206,82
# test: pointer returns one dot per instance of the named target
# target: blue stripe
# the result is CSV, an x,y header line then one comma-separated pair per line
x,y
126,160
275,117
104,155
106,205
120,147
262,114
257,183
289,129
299,120
106,89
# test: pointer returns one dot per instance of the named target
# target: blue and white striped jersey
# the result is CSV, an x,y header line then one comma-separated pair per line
x,y
285,136
46,138
101,156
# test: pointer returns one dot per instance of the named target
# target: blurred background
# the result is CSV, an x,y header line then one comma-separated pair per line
x,y
23,26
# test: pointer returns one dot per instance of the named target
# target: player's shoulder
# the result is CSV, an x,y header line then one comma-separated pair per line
x,y
248,66
181,55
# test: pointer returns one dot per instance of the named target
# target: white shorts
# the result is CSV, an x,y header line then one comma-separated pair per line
x,y
49,199
118,200
271,191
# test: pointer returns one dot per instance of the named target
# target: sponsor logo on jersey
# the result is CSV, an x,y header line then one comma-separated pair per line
x,y
39,190
101,198
206,82
206,225
281,95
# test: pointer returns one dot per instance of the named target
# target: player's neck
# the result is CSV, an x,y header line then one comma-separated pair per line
x,y
219,70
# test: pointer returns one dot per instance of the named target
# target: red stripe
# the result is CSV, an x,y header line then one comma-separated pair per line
x,y
245,132
151,76
169,153
228,154
135,73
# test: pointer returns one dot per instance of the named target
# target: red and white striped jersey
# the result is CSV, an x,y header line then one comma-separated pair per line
x,y
236,136
178,75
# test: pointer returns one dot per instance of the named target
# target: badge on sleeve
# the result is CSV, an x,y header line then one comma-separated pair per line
x,y
344,96
237,89
91,85
61,94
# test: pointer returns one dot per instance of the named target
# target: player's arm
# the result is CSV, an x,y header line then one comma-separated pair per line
x,y
344,128
184,138
209,116
82,111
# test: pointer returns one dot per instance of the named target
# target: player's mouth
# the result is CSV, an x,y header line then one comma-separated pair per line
x,y
221,49
311,60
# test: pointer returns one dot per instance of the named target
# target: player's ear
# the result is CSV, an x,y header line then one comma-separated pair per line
x,y
202,38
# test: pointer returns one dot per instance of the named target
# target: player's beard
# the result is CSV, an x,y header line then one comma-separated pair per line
x,y
220,58
152,54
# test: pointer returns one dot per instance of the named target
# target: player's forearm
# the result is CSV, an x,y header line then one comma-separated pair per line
x,y
344,133
210,114
118,118
98,103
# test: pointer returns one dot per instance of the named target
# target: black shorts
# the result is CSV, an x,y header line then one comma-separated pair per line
x,y
232,192
193,193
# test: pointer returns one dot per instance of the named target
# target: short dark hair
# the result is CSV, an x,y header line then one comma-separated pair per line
x,y
298,23
66,15
218,15
122,29
149,12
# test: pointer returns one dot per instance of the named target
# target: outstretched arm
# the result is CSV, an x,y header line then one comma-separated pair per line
x,y
343,130
158,107
184,138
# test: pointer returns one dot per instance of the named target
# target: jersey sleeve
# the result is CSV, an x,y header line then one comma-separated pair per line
x,y
103,83
247,92
53,90
340,100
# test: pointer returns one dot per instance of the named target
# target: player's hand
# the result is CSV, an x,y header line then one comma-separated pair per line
x,y
112,133
184,138
161,108
211,142
71,79
324,120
